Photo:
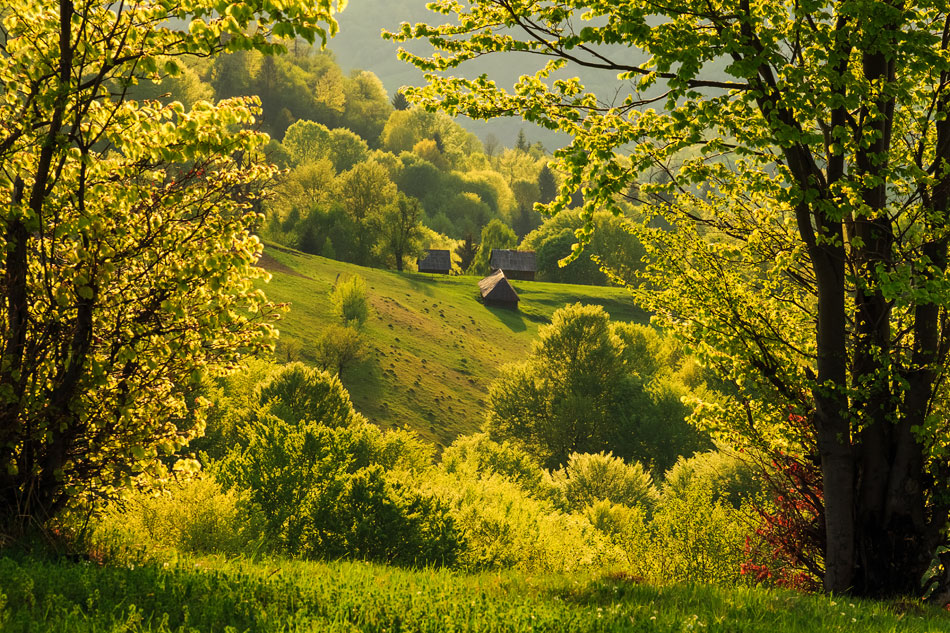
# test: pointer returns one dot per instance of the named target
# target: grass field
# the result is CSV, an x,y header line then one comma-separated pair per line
x,y
433,347
213,595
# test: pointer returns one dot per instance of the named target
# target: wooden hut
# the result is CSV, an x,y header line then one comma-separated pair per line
x,y
516,264
497,291
436,260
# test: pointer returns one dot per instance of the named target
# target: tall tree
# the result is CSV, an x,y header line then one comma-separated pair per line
x,y
126,264
399,226
810,267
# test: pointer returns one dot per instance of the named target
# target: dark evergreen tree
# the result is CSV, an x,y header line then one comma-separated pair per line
x,y
466,251
547,185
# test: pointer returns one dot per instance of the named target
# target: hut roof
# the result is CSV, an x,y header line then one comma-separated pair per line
x,y
436,259
504,259
495,287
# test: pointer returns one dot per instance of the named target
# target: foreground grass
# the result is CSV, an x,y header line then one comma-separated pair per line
x,y
433,348
214,595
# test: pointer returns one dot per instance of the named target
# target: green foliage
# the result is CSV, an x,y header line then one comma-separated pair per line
x,y
574,394
400,231
496,234
729,478
503,526
612,243
478,456
194,517
696,538
349,300
271,596
295,392
330,492
307,142
338,347
306,86
588,478
367,107
128,258
405,128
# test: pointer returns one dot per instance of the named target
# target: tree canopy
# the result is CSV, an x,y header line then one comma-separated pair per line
x,y
799,154
126,262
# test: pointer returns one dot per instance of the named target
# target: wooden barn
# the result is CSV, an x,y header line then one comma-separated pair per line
x,y
516,264
436,260
497,291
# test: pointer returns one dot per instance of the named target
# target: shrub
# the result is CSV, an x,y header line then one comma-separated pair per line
x,y
349,301
338,347
729,478
588,478
192,517
629,529
479,456
697,538
333,492
295,392
503,526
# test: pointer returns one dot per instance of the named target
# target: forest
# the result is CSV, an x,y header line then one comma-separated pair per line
x,y
231,401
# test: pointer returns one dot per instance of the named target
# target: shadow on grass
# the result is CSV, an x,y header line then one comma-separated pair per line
x,y
512,319
422,282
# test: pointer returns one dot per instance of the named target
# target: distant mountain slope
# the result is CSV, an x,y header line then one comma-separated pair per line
x,y
433,347
359,45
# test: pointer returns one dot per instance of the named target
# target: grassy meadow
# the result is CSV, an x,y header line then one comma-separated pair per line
x,y
433,348
211,594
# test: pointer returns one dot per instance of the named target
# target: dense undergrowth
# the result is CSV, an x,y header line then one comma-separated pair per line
x,y
212,594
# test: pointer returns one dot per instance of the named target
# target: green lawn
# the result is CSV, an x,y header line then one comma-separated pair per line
x,y
275,595
433,347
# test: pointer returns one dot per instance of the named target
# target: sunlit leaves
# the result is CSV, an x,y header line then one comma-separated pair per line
x,y
125,243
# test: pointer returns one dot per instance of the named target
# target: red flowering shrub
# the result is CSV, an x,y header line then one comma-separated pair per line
x,y
790,537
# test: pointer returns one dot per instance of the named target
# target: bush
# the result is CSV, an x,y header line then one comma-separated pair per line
x,y
503,526
697,538
349,301
729,478
295,392
588,478
629,529
333,492
192,517
479,456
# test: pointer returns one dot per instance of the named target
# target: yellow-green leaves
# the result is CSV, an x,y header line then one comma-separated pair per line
x,y
126,238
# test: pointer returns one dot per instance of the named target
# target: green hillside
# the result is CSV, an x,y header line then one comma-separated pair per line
x,y
433,347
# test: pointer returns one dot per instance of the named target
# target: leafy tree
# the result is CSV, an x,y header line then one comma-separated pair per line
x,y
349,301
295,392
367,106
346,149
364,191
811,267
307,142
613,243
126,260
338,347
496,234
574,394
400,230
526,219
